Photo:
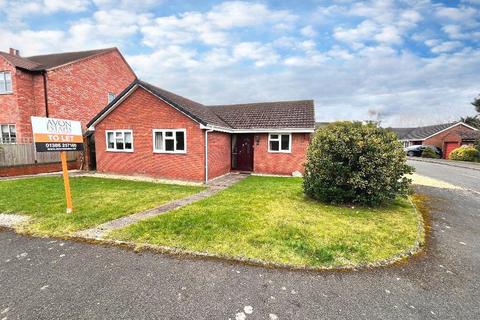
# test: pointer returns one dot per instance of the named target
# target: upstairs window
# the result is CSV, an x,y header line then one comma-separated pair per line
x,y
5,82
119,140
279,142
111,96
9,133
169,141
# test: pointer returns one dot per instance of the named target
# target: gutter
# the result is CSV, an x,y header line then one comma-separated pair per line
x,y
206,154
44,75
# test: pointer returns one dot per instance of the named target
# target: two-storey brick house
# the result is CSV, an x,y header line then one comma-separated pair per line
x,y
71,85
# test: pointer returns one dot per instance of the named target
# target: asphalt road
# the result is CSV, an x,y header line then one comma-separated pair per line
x,y
54,279
466,178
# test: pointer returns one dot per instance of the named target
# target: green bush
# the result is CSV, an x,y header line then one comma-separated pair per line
x,y
354,163
429,153
465,153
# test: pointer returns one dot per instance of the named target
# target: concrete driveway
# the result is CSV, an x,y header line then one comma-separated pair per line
x,y
52,279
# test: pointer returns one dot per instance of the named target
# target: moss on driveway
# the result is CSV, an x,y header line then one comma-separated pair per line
x,y
268,218
95,201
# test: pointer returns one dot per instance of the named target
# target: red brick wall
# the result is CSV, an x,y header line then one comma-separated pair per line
x,y
280,163
450,135
219,154
35,169
8,102
79,91
142,112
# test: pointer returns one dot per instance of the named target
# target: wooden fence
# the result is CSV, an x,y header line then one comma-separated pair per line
x,y
25,154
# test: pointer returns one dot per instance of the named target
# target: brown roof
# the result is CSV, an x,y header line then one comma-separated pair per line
x,y
420,133
20,62
49,61
469,135
264,115
194,109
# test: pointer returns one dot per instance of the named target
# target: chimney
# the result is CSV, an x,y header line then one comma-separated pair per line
x,y
14,52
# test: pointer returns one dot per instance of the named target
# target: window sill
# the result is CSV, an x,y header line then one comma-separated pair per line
x,y
127,151
170,152
269,151
6,93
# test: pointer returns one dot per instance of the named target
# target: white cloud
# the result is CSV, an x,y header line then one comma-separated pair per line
x,y
446,46
308,31
261,55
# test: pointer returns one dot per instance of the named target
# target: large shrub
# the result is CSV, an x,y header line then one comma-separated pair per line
x,y
355,163
429,153
465,153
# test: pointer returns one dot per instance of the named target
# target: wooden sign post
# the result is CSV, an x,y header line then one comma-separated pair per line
x,y
66,181
53,135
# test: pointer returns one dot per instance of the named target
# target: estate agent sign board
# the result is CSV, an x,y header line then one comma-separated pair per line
x,y
50,135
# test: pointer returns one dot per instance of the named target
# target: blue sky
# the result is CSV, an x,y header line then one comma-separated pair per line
x,y
402,62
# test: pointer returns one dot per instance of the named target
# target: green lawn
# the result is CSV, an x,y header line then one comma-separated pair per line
x,y
95,200
269,218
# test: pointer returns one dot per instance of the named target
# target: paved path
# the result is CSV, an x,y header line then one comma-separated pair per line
x,y
214,187
51,279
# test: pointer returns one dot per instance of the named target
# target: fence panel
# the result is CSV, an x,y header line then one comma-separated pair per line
x,y
25,154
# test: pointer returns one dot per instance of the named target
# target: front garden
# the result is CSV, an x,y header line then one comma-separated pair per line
x,y
95,200
270,219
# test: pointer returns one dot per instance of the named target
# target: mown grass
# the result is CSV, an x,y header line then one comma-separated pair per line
x,y
95,201
268,218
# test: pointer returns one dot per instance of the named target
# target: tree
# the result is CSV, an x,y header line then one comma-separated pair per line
x,y
472,121
355,163
476,104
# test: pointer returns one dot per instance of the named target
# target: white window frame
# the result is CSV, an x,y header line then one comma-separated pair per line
x,y
115,143
9,125
4,90
279,139
163,131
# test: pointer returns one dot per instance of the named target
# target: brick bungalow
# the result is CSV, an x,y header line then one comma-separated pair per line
x,y
146,130
71,85
446,136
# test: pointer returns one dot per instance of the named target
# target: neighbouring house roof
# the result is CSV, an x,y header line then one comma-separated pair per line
x,y
266,115
50,61
422,133
469,135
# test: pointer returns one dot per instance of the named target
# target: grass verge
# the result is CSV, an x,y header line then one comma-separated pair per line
x,y
269,219
95,201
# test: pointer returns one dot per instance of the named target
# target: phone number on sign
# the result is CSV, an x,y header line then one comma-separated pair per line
x,y
60,145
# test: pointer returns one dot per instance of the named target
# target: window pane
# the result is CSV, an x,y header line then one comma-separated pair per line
x,y
111,140
285,142
159,141
274,136
13,134
180,140
128,140
168,133
274,145
8,82
2,83
119,140
169,145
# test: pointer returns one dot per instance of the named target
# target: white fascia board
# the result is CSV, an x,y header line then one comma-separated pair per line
x,y
452,126
286,130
